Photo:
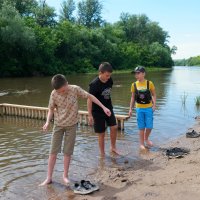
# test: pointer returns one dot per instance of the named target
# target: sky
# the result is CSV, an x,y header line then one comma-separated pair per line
x,y
180,18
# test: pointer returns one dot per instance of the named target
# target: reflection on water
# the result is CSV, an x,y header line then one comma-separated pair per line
x,y
24,148
24,154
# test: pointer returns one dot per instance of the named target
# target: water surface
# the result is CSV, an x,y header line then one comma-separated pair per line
x,y
24,148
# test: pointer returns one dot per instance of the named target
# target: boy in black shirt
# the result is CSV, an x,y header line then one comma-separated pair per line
x,y
101,87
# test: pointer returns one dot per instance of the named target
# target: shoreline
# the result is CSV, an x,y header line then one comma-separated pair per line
x,y
117,71
153,176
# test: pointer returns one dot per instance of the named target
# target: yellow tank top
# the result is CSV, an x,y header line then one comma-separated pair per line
x,y
143,86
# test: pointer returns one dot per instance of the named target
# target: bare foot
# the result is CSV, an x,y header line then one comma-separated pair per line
x,y
115,151
142,147
46,182
102,155
66,180
149,143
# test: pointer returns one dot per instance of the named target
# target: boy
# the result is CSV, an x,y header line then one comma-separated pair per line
x,y
144,94
101,87
63,104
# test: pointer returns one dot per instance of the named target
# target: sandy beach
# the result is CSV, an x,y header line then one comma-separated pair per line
x,y
154,176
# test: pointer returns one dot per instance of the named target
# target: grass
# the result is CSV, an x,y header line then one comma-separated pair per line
x,y
127,71
197,101
184,98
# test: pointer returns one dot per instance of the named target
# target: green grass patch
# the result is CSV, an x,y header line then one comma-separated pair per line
x,y
184,98
127,71
197,101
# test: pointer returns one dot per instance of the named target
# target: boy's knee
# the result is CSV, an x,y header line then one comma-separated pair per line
x,y
101,135
113,128
68,155
53,155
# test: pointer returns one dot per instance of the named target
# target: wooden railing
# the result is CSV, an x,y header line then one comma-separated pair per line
x,y
34,112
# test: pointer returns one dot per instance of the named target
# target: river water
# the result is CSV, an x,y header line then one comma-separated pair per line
x,y
24,148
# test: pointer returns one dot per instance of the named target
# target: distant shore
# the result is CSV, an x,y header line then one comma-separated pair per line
x,y
125,71
153,176
122,71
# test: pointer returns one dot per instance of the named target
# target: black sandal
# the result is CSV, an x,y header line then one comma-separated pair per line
x,y
192,134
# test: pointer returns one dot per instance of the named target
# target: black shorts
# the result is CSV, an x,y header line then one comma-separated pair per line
x,y
102,121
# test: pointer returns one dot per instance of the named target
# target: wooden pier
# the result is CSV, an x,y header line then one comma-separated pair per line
x,y
40,113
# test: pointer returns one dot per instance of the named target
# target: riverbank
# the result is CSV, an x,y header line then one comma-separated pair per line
x,y
153,176
121,71
126,71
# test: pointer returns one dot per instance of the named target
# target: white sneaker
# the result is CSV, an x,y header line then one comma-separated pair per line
x,y
89,185
78,189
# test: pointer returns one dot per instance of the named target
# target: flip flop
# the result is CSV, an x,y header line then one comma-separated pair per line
x,y
192,134
176,152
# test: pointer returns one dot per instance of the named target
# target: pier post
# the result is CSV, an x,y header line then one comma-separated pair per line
x,y
1,109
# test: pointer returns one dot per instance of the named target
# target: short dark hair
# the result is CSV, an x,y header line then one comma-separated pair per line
x,y
58,81
105,67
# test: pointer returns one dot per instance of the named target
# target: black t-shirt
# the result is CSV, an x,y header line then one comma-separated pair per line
x,y
102,91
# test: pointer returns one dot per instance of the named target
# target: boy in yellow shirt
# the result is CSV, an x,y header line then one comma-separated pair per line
x,y
144,99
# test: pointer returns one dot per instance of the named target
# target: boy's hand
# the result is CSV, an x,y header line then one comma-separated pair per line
x,y
154,108
130,113
90,120
45,127
107,112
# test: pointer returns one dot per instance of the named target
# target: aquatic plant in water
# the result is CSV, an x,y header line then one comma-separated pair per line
x,y
197,101
184,98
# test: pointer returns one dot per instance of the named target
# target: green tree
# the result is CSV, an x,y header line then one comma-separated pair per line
x,y
89,13
135,27
45,15
44,61
24,7
160,56
67,9
193,61
139,29
180,62
156,34
130,54
17,42
34,42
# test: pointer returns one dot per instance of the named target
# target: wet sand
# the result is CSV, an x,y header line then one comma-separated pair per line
x,y
153,176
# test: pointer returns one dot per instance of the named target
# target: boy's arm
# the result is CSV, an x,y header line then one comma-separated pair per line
x,y
132,103
153,92
49,118
96,101
92,90
51,107
82,93
89,106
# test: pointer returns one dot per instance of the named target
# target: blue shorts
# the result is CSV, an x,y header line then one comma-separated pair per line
x,y
144,118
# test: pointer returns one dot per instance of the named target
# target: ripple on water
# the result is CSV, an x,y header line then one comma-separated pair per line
x,y
24,148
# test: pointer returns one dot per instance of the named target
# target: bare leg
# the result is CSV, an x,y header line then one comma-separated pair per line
x,y
51,164
147,134
113,138
67,160
101,137
142,133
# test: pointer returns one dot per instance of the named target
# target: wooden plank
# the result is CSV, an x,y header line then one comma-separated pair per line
x,y
81,112
37,112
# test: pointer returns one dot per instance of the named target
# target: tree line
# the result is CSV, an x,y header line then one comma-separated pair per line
x,y
35,40
192,61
